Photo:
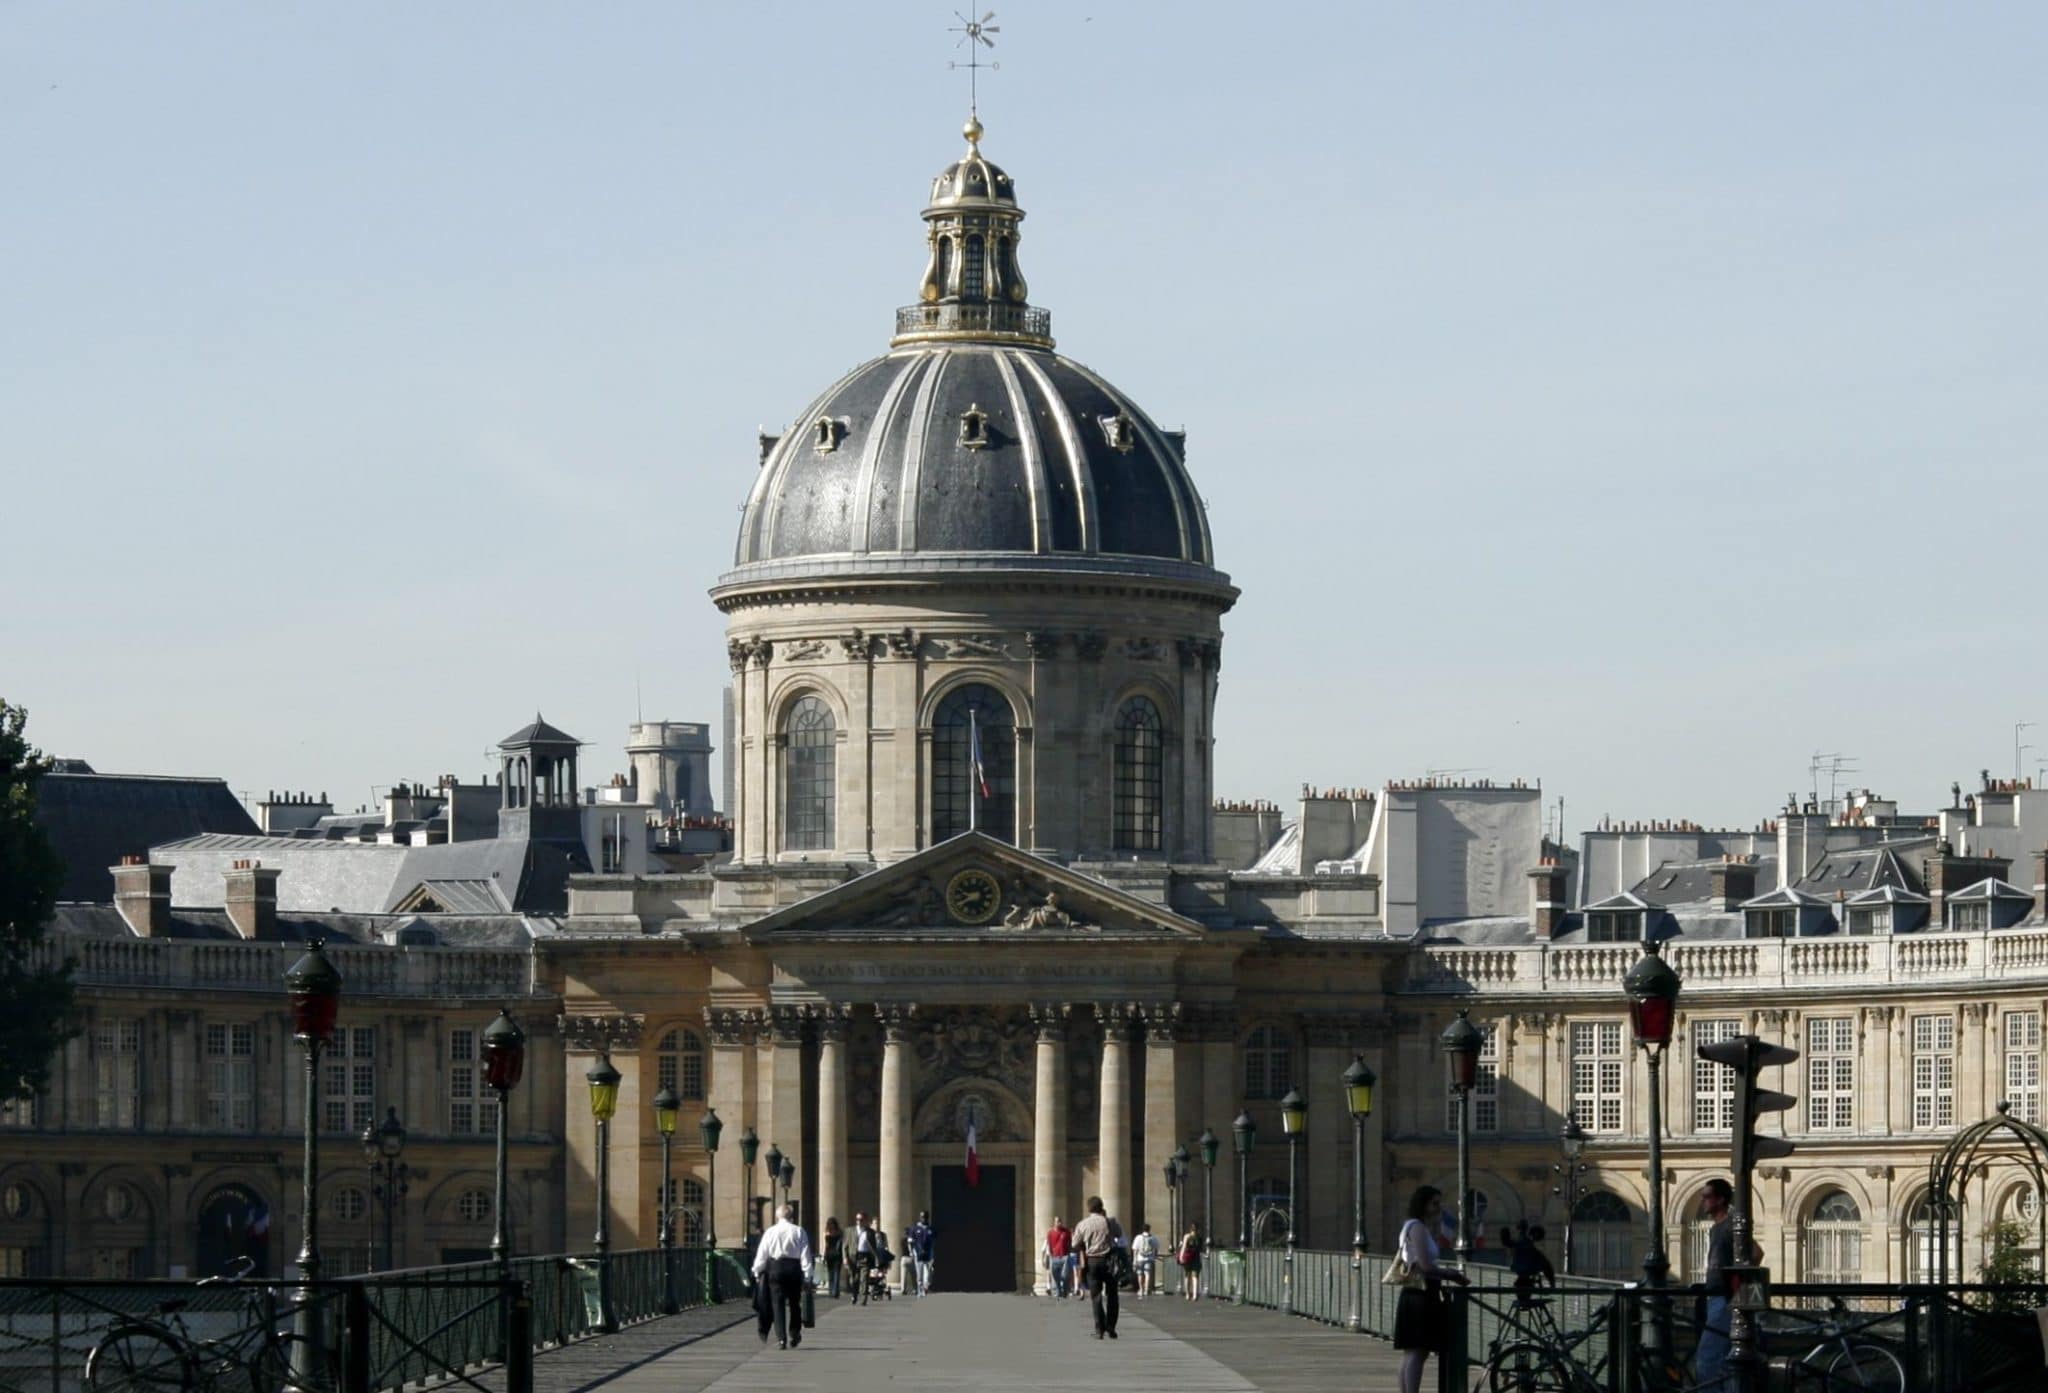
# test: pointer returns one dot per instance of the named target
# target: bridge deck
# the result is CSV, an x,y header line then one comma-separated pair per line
x,y
986,1344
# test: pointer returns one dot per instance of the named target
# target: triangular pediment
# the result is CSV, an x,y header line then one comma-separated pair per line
x,y
975,886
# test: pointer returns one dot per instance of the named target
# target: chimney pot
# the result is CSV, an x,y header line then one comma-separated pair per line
x,y
251,898
142,894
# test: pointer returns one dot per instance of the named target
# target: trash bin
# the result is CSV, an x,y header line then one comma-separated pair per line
x,y
1229,1265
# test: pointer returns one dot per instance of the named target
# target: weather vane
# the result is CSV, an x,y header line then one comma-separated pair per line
x,y
975,33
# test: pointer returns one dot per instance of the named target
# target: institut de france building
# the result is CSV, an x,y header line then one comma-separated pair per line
x,y
980,878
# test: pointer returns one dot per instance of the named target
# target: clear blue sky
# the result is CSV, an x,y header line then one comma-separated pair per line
x,y
1634,397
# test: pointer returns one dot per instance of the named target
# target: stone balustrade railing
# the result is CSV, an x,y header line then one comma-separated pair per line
x,y
176,964
1738,965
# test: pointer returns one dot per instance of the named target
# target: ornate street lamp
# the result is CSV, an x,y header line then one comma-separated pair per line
x,y
603,1079
1573,1143
774,1160
1180,1191
313,990
788,1177
1461,1042
1210,1147
707,1131
1293,1122
1244,1133
382,1146
1172,1200
1358,1085
666,1106
504,1049
750,1147
1652,988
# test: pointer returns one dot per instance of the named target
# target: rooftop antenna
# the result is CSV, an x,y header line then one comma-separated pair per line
x,y
975,34
2017,748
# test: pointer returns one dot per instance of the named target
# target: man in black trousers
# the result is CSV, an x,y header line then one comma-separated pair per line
x,y
782,1269
1096,1239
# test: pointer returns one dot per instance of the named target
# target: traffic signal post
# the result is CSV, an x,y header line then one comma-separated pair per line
x,y
1749,1282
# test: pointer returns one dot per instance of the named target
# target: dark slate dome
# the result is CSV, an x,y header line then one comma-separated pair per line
x,y
972,440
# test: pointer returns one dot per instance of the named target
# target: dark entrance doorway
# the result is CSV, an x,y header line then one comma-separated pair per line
x,y
234,1223
976,1225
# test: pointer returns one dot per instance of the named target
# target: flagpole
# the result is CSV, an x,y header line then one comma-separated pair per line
x,y
973,772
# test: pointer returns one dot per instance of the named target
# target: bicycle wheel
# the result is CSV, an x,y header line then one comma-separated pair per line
x,y
1529,1368
1866,1367
283,1365
138,1359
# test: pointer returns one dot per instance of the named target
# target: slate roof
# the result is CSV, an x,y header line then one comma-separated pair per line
x,y
538,733
93,820
1990,888
351,877
449,930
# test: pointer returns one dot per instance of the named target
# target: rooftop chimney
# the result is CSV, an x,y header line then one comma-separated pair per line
x,y
2041,885
142,893
1732,883
252,900
1947,872
1548,897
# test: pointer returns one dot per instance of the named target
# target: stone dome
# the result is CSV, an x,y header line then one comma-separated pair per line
x,y
972,445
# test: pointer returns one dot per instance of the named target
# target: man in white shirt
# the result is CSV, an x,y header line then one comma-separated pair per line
x,y
782,1269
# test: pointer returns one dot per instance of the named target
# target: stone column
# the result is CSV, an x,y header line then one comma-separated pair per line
x,y
784,1105
832,1202
1162,1120
731,1032
1049,1127
895,1200
1114,1132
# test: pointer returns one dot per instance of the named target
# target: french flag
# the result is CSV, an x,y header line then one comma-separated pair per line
x,y
973,1159
974,756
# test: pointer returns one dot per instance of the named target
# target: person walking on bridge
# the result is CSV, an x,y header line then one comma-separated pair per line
x,y
917,1242
1421,1324
783,1265
1098,1240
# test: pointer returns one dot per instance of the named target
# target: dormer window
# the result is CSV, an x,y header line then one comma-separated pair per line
x,y
1614,926
1119,431
827,433
974,428
1773,923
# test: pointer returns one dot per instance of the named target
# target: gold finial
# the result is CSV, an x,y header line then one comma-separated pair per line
x,y
972,130
975,34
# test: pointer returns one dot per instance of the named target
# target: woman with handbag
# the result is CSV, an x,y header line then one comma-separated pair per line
x,y
1420,1325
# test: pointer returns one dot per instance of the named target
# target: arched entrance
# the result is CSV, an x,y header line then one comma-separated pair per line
x,y
234,1223
973,1207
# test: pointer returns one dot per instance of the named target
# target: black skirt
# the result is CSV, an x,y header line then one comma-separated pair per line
x,y
1419,1320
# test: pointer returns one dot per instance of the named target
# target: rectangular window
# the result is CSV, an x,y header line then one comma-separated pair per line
x,y
230,1076
18,1114
1970,916
348,1080
472,1108
1831,1074
1598,1070
1713,1085
117,1074
1485,1115
2023,1064
1934,1072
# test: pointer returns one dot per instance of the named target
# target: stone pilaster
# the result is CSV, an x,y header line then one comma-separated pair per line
x,y
896,1202
783,1107
1113,1135
1163,1027
832,1177
727,1088
1049,1126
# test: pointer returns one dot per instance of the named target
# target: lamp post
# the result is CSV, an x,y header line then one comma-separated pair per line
x,y
1244,1133
504,1063
774,1160
313,989
382,1146
750,1147
1358,1085
666,1106
788,1177
1652,988
1180,1188
603,1079
1172,1201
1210,1147
1461,1041
1293,1121
707,1132
1569,1171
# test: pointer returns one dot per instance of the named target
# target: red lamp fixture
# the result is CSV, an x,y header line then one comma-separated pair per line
x,y
1461,1042
504,1053
313,988
1652,989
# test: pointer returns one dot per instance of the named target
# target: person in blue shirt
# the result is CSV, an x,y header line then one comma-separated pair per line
x,y
917,1241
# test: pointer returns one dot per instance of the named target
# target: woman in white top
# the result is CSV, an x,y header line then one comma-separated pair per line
x,y
1420,1328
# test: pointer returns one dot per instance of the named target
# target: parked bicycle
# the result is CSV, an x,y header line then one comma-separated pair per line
x,y
161,1354
1840,1363
1531,1353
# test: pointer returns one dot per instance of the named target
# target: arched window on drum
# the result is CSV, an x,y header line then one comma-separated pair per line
x,y
974,764
810,761
1139,776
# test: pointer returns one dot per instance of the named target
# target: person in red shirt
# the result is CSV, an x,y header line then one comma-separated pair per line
x,y
1058,1253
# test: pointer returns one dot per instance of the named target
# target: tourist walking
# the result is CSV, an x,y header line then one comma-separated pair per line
x,y
1058,1251
835,1256
1098,1241
917,1244
1710,1359
1145,1260
1189,1256
782,1269
862,1258
1421,1326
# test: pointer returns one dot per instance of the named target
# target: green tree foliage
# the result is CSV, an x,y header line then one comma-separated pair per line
x,y
35,997
2008,1264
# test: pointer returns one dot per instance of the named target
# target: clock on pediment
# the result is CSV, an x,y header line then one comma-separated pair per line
x,y
973,896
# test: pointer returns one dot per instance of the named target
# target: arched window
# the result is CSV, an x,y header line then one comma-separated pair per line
x,y
810,761
1268,1063
1140,747
970,793
1602,1236
971,270
679,1064
24,1231
1922,1257
690,1219
1833,1242
1268,1198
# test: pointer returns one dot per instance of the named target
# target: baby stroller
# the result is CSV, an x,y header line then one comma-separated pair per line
x,y
878,1276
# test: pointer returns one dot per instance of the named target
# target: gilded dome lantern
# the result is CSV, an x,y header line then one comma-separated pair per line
x,y
973,286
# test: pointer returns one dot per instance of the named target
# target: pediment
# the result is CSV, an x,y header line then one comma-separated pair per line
x,y
975,887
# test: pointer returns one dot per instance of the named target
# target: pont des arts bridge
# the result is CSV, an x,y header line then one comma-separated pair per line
x,y
681,1320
